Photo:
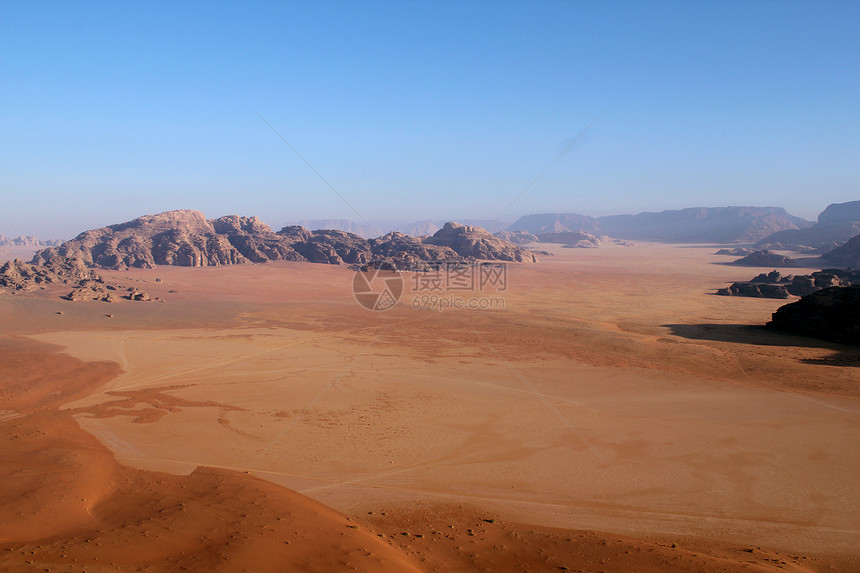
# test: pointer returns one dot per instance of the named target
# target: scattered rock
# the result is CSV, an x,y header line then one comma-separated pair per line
x,y
86,284
775,285
571,239
138,295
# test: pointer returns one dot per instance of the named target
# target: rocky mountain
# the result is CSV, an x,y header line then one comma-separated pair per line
x,y
475,242
840,213
187,238
830,314
819,238
764,258
848,255
17,276
360,229
694,225
836,224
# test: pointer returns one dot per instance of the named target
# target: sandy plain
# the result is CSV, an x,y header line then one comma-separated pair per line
x,y
613,416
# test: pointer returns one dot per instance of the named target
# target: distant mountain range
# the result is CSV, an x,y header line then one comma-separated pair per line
x,y
838,223
26,241
694,225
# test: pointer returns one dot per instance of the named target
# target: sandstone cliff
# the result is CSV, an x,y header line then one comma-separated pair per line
x,y
187,238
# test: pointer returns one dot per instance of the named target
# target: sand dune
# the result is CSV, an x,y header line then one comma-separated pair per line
x,y
612,394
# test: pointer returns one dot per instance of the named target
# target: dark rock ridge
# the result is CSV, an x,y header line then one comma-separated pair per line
x,y
18,276
187,238
775,285
764,258
848,255
830,314
475,242
840,213
694,225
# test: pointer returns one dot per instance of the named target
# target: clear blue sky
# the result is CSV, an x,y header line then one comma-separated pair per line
x,y
422,110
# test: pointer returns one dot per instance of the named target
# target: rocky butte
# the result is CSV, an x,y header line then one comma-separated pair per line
x,y
187,238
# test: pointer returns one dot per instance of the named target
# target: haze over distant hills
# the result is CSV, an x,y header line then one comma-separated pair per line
x,y
693,225
26,241
836,225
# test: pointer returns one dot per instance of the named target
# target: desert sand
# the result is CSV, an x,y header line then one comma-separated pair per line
x,y
613,416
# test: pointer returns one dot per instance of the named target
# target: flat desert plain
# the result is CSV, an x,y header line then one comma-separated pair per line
x,y
613,416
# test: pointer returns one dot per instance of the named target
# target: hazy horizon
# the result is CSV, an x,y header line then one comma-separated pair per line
x,y
415,111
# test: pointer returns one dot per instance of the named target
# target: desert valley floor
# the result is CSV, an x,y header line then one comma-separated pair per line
x,y
614,416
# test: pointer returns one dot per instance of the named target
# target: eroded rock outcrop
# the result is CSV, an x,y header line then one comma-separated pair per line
x,y
571,239
187,238
830,314
775,285
475,242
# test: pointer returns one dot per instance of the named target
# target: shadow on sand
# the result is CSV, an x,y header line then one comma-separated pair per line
x,y
844,355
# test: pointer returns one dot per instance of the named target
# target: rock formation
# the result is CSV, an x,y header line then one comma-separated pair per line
x,y
830,314
836,225
187,238
571,239
17,276
840,213
764,258
475,242
517,237
848,255
774,285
